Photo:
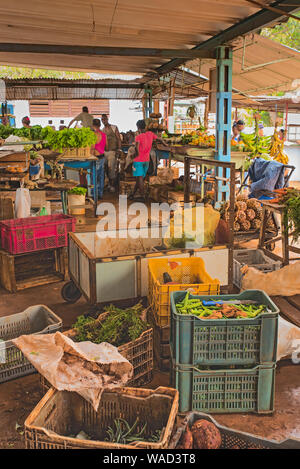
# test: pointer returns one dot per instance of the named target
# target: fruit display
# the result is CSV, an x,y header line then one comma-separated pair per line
x,y
153,122
199,138
276,149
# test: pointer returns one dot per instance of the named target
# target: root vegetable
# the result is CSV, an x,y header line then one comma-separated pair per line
x,y
187,439
206,435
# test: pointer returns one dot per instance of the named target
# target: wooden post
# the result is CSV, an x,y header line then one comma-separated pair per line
x,y
156,106
187,180
206,112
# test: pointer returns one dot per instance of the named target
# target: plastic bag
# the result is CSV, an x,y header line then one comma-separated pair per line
x,y
81,367
288,341
22,203
282,282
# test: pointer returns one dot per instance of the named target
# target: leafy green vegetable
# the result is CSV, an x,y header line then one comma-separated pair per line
x,y
123,433
119,327
78,191
55,139
291,201
69,138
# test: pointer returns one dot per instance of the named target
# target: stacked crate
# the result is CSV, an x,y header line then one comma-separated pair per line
x,y
224,365
34,251
185,273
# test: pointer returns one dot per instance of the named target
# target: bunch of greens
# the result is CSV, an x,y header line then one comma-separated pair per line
x,y
125,434
118,328
69,138
78,191
291,201
33,133
185,139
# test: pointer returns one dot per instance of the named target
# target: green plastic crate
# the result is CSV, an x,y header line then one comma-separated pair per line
x,y
224,342
225,391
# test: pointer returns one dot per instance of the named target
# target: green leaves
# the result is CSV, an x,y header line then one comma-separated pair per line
x,y
69,138
120,326
291,202
78,191
55,139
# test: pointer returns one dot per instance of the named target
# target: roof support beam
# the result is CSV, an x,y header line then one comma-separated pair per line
x,y
104,51
32,84
250,24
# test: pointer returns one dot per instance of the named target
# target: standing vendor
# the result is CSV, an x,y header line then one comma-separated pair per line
x,y
84,117
143,143
26,122
113,145
98,150
237,128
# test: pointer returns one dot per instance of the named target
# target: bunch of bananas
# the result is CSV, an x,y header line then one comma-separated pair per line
x,y
256,144
276,151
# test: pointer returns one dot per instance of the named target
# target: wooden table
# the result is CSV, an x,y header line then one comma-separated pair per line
x,y
88,164
268,209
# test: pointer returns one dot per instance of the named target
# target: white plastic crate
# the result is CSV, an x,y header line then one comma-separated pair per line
x,y
37,319
253,258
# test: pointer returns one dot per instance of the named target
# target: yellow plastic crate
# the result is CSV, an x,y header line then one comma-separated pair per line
x,y
186,273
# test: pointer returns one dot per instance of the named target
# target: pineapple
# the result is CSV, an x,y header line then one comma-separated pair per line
x,y
250,214
245,225
240,216
240,206
236,226
255,224
242,198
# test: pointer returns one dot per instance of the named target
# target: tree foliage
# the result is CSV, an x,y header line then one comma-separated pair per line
x,y
21,72
287,33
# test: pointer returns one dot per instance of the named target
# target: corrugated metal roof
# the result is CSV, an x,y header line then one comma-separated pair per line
x,y
186,85
259,65
126,23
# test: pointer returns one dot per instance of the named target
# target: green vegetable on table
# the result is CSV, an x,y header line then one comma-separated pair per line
x,y
78,191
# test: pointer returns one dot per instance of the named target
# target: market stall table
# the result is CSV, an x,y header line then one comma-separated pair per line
x,y
276,209
88,164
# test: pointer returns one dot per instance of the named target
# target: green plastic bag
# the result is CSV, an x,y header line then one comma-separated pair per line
x,y
43,211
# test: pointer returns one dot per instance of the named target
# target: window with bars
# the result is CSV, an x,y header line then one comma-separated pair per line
x,y
67,108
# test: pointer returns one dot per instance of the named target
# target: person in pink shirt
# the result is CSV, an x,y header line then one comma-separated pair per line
x,y
143,144
98,151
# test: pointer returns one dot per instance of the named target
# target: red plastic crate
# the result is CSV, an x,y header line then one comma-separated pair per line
x,y
36,233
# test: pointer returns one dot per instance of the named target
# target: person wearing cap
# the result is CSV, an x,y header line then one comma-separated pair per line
x,y
235,137
240,125
26,122
261,129
84,117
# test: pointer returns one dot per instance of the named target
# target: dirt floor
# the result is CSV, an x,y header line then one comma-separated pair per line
x,y
19,397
